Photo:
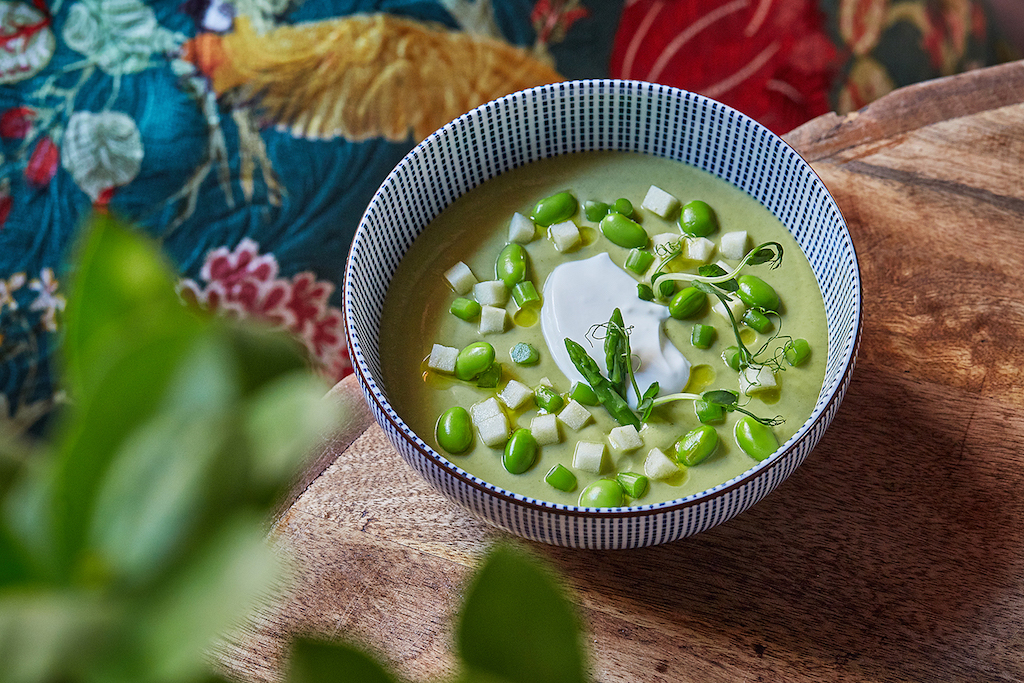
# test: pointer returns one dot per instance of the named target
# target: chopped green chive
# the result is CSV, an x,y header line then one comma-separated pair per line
x,y
703,336
561,478
635,485
467,309
757,320
548,399
525,293
639,260
524,354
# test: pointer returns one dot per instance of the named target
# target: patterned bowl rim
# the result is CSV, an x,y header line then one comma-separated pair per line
x,y
833,393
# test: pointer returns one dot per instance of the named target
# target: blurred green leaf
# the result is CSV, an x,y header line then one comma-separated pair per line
x,y
264,355
317,662
224,581
518,626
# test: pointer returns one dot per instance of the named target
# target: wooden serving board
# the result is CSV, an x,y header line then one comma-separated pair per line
x,y
895,553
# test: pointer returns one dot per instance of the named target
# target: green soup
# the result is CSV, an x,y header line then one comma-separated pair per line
x,y
475,229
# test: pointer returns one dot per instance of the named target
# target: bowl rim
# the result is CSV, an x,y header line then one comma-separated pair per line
x,y
383,410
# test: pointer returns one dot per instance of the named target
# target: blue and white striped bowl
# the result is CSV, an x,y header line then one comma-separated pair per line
x,y
601,115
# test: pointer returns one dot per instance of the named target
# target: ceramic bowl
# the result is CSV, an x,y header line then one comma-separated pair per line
x,y
601,115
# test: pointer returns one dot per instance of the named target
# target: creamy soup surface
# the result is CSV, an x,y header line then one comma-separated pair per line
x,y
476,228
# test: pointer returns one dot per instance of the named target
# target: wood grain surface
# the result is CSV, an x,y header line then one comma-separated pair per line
x,y
895,553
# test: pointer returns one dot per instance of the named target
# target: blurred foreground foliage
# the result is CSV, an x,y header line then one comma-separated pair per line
x,y
136,536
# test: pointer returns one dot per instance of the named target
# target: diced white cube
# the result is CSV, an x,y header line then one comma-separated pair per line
x,y
756,378
589,457
736,305
515,394
485,409
658,465
442,358
546,382
666,241
625,438
491,293
460,278
521,229
564,235
659,202
494,431
545,429
733,245
574,415
492,320
699,249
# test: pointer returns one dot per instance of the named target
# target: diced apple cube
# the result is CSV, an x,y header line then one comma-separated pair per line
x,y
736,305
564,235
515,394
442,358
658,465
492,320
545,429
625,438
756,378
733,245
659,202
574,415
494,430
699,249
460,278
589,457
521,229
485,409
491,293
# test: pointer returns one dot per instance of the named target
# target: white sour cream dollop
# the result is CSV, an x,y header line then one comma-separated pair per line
x,y
579,294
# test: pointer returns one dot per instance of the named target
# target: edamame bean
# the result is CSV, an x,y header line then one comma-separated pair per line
x,y
554,209
474,360
623,206
698,219
520,451
687,302
603,493
623,231
594,210
757,440
754,291
797,351
696,446
454,430
511,266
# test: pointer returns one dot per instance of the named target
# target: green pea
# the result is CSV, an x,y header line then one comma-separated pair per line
x,y
520,451
757,440
623,206
467,309
623,231
732,357
561,477
757,320
698,219
554,209
603,493
524,354
548,399
754,291
473,360
512,265
687,302
696,446
797,351
635,485
454,430
594,211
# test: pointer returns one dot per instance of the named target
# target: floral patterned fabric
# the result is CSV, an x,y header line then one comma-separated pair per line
x,y
247,136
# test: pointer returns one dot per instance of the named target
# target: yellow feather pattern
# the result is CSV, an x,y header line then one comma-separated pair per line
x,y
368,76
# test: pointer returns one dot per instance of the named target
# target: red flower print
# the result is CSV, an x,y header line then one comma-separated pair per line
x,y
552,19
16,122
42,165
308,301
